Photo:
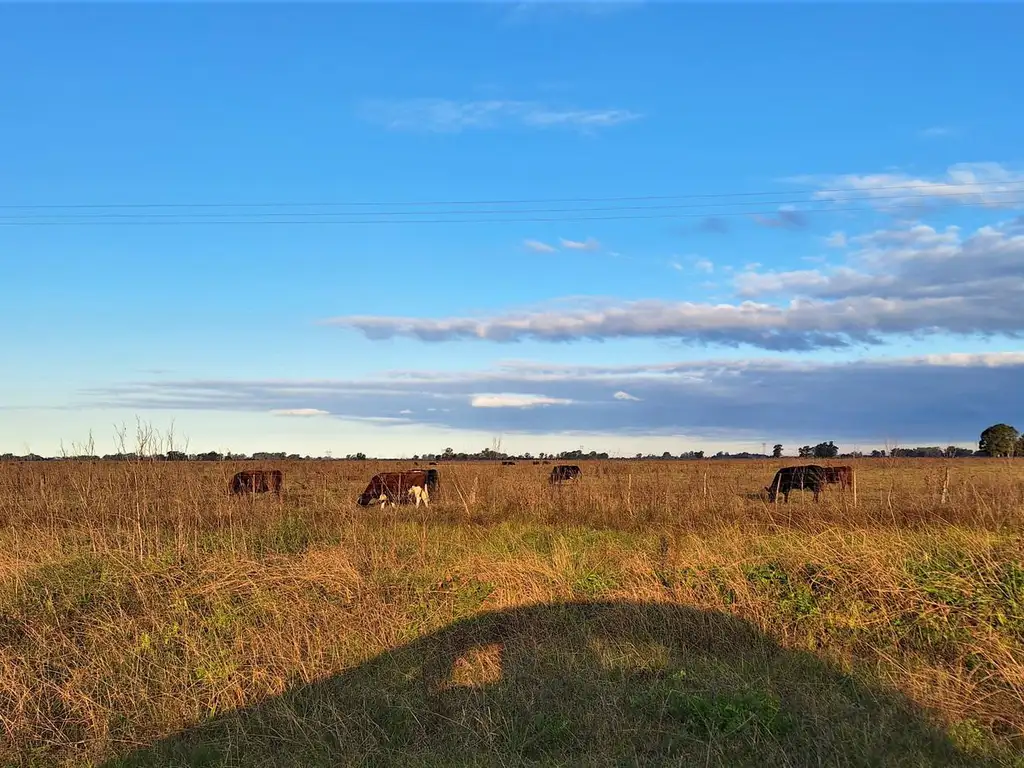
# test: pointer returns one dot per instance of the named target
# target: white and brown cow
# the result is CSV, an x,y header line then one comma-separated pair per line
x,y
400,488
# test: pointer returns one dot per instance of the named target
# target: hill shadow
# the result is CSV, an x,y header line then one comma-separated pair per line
x,y
608,683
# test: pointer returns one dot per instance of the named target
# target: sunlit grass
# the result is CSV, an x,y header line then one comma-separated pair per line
x,y
138,600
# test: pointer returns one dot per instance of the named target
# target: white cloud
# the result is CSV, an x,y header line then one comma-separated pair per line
x,y
676,266
300,412
620,395
451,116
914,280
515,401
937,132
918,400
704,265
919,264
539,247
836,240
986,184
590,244
404,412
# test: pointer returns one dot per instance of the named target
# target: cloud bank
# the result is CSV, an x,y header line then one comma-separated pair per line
x,y
990,185
911,281
914,400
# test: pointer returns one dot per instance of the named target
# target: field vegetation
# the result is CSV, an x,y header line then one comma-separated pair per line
x,y
653,613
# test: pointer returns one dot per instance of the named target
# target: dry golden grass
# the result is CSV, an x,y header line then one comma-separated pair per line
x,y
654,612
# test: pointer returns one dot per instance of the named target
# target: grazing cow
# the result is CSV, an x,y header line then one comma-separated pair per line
x,y
563,473
400,488
508,463
842,476
256,481
536,462
812,477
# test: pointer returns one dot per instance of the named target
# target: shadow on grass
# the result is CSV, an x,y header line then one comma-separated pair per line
x,y
607,683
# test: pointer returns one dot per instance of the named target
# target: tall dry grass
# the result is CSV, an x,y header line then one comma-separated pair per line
x,y
139,601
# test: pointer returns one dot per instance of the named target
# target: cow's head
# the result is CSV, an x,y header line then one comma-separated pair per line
x,y
370,496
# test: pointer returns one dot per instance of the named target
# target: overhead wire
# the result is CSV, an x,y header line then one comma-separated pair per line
x,y
522,201
101,215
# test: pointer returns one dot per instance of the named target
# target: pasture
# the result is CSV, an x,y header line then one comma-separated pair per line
x,y
658,612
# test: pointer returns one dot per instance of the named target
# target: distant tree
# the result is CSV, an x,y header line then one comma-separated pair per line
x,y
176,456
667,455
825,450
878,454
805,451
999,440
777,451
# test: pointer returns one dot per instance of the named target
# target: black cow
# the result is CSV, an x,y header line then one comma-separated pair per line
x,y
399,487
812,477
256,481
563,473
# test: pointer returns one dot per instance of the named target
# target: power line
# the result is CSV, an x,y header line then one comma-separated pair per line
x,y
925,186
359,222
322,214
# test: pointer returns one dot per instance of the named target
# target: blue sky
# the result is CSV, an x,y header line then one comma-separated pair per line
x,y
731,214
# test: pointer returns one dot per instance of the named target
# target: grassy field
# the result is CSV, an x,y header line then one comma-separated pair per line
x,y
655,613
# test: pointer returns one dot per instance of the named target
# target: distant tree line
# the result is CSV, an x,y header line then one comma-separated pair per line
x,y
1000,440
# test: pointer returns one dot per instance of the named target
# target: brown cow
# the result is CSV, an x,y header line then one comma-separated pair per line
x,y
842,476
563,473
399,487
256,481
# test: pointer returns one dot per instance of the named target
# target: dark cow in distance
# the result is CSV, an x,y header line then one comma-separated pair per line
x,y
508,463
563,473
400,487
256,481
811,477
841,476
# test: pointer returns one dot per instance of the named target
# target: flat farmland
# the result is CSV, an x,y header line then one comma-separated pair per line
x,y
655,612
